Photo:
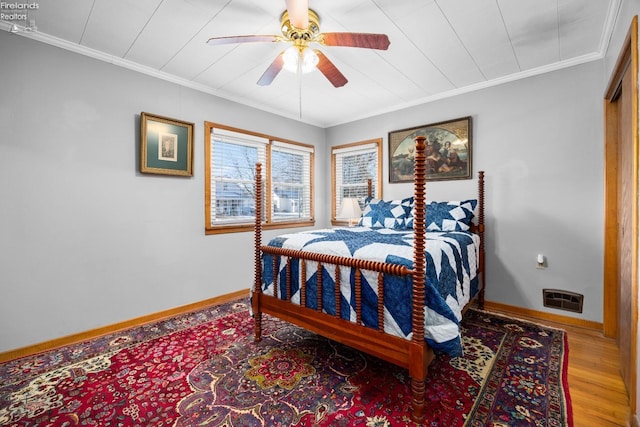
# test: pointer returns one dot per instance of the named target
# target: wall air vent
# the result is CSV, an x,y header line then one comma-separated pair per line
x,y
563,300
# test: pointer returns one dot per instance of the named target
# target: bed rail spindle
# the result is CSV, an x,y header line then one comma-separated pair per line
x,y
303,283
288,284
358,286
257,284
319,283
275,276
337,291
381,302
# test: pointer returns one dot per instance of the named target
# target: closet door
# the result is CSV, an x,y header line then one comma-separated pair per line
x,y
621,213
627,296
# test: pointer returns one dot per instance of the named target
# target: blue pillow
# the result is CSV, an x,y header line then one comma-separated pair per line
x,y
380,213
448,216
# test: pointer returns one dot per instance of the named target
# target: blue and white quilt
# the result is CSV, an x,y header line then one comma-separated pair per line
x,y
451,278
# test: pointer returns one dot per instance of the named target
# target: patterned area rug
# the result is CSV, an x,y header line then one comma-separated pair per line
x,y
203,369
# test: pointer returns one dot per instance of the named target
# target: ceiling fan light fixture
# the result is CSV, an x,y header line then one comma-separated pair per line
x,y
307,58
290,58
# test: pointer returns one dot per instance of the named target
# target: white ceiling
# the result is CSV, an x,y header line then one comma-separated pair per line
x,y
439,48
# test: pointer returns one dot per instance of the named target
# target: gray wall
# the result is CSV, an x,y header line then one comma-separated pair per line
x,y
539,141
86,240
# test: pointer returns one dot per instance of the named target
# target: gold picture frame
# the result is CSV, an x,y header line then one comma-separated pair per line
x,y
448,151
166,145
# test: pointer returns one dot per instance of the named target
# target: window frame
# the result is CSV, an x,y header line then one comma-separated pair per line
x,y
377,186
268,221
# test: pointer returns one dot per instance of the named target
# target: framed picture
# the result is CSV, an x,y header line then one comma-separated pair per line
x,y
166,145
448,151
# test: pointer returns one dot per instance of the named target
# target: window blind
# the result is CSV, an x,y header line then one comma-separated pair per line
x,y
290,181
233,164
354,165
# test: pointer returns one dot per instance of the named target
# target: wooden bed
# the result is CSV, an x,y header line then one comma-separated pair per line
x,y
413,354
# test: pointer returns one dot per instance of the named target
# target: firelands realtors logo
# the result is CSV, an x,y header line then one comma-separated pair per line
x,y
14,11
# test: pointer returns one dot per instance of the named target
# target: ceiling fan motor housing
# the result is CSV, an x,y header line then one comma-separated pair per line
x,y
305,35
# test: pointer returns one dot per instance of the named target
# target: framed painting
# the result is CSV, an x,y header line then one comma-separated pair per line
x,y
448,151
166,145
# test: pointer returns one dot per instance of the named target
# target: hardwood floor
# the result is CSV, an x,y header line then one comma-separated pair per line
x,y
598,395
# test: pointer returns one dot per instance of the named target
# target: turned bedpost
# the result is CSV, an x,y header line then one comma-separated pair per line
x,y
419,362
481,233
257,284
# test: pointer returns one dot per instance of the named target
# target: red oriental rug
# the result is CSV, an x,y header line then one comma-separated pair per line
x,y
203,369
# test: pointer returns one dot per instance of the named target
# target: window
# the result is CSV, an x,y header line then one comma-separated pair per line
x,y
352,166
231,157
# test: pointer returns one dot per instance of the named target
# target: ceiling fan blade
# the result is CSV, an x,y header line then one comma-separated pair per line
x,y
242,39
364,40
271,72
330,71
298,11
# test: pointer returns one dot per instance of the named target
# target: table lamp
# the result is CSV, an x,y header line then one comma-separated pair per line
x,y
350,209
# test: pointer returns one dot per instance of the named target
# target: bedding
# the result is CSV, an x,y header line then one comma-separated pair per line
x,y
379,213
451,278
447,216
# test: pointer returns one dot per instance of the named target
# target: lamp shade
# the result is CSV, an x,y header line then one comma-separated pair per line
x,y
349,209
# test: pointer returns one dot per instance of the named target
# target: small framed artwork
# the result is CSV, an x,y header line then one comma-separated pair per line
x,y
166,145
448,151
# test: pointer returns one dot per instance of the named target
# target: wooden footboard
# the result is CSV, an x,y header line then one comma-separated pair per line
x,y
414,355
355,334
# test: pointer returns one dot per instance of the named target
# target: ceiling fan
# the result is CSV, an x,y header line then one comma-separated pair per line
x,y
301,27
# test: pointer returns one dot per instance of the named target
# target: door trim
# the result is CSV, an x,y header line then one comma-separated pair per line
x,y
628,57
